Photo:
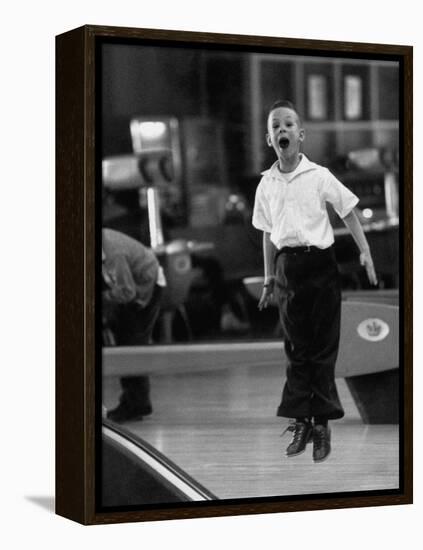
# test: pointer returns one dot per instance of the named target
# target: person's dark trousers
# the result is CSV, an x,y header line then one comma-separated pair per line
x,y
136,395
309,299
133,326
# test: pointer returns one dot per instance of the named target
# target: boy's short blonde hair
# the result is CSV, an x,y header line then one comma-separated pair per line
x,y
288,105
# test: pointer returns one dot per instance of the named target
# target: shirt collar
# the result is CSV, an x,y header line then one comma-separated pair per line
x,y
304,166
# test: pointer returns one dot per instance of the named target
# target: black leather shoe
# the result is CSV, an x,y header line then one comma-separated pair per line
x,y
321,443
302,434
124,413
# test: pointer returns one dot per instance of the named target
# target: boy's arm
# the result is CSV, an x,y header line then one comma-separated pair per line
x,y
353,223
269,256
269,276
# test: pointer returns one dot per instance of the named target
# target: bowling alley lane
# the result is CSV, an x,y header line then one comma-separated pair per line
x,y
220,427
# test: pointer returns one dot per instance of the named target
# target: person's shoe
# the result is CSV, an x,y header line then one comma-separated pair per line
x,y
321,443
124,413
302,434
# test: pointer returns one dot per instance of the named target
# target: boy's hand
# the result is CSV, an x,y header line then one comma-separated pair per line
x,y
367,261
266,294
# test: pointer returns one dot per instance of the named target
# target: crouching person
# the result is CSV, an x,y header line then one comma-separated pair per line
x,y
133,283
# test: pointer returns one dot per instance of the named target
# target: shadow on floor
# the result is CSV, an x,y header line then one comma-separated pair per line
x,y
46,502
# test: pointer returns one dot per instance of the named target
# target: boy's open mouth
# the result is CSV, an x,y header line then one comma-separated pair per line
x,y
283,142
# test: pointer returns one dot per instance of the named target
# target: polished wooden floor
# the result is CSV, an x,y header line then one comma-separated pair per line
x,y
220,427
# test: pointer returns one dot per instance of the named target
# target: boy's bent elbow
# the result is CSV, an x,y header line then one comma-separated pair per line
x,y
350,217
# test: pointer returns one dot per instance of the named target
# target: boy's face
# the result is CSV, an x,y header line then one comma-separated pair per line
x,y
284,132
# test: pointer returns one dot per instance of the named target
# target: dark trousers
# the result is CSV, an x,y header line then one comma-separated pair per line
x,y
133,326
309,300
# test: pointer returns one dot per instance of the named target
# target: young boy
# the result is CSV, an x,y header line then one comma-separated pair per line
x,y
299,265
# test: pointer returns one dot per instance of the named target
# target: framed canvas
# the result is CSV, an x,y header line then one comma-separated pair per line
x,y
168,376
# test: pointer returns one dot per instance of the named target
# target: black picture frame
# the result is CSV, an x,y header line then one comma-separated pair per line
x,y
78,382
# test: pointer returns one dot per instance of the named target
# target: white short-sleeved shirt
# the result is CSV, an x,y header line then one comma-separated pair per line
x,y
292,206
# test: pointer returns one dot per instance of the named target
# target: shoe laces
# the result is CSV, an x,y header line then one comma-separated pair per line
x,y
297,429
289,428
319,436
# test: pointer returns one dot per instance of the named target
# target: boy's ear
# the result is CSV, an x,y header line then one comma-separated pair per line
x,y
302,134
268,140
